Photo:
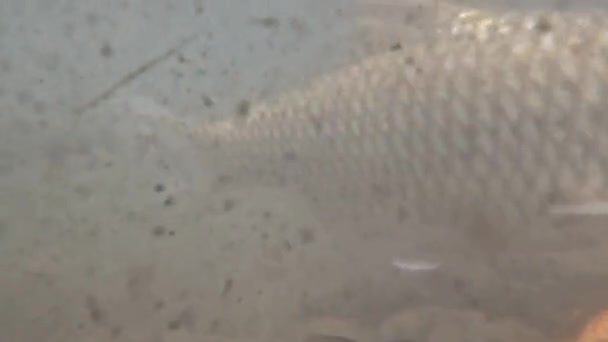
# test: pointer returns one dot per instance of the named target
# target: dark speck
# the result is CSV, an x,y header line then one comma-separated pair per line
x,y
174,324
172,233
224,179
159,305
307,235
542,25
268,22
186,319
396,47
106,50
169,201
117,331
96,313
288,246
214,326
267,215
289,156
159,231
317,125
228,284
181,58
229,204
159,188
207,101
243,108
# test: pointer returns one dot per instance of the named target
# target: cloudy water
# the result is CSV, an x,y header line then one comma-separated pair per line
x,y
343,170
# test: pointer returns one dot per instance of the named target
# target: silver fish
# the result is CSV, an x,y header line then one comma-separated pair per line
x,y
499,117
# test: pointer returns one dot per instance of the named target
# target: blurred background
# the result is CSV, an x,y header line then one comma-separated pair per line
x,y
107,229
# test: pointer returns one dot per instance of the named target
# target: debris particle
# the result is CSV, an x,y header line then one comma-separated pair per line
x,y
106,50
243,108
307,235
159,231
96,313
413,265
268,22
174,324
169,201
228,284
229,204
207,101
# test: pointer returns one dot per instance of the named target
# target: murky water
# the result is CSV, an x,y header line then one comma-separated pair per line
x,y
115,226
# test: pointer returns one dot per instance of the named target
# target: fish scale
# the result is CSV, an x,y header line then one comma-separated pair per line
x,y
497,117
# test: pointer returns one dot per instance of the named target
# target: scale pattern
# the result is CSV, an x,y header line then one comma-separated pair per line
x,y
499,115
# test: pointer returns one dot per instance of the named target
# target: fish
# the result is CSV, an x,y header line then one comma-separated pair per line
x,y
499,117
596,329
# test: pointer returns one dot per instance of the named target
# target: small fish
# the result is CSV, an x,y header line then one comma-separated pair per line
x,y
500,117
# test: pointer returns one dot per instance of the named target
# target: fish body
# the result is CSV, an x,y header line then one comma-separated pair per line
x,y
596,330
498,117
